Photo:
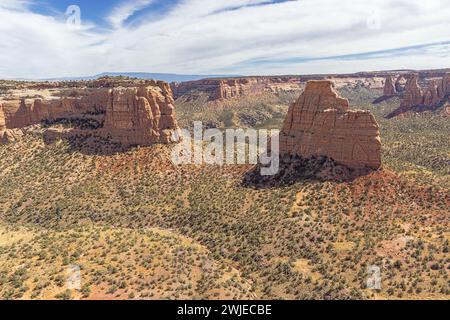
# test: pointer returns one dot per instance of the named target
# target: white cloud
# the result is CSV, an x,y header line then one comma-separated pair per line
x,y
124,11
33,45
210,36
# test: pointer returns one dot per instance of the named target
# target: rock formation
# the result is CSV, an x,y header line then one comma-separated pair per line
x,y
413,93
222,89
20,114
389,87
2,119
320,123
417,100
2,124
431,95
141,116
131,116
444,86
7,135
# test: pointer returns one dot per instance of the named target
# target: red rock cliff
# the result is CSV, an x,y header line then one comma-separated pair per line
x,y
141,116
220,89
130,116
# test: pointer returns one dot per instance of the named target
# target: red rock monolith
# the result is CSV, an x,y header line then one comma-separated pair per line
x,y
320,123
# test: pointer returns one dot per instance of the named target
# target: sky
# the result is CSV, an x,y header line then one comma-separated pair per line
x,y
64,38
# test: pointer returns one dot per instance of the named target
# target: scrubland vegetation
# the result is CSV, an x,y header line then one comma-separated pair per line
x,y
142,228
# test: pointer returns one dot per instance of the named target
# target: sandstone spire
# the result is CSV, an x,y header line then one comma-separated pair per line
x,y
413,94
320,123
389,87
431,96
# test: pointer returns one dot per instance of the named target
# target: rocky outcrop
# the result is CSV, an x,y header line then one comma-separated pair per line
x,y
389,90
20,113
389,87
413,93
431,95
417,100
320,123
444,86
141,116
222,89
7,135
2,119
2,124
130,116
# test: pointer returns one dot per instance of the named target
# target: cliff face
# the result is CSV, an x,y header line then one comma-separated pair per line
x,y
20,114
7,135
416,99
2,119
219,89
141,116
320,123
2,123
130,116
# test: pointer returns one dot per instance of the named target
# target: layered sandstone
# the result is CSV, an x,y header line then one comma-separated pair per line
x,y
413,92
22,113
444,86
2,119
131,116
320,123
389,87
431,95
2,123
223,89
7,135
141,116
416,99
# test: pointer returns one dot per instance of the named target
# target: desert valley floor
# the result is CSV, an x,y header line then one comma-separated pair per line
x,y
140,227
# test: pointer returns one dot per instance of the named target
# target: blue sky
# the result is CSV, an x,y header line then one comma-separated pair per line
x,y
97,11
250,37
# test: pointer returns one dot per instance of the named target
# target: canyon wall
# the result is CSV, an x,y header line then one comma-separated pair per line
x,y
131,116
23,113
320,123
220,89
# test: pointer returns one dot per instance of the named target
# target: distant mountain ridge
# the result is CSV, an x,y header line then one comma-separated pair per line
x,y
168,77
